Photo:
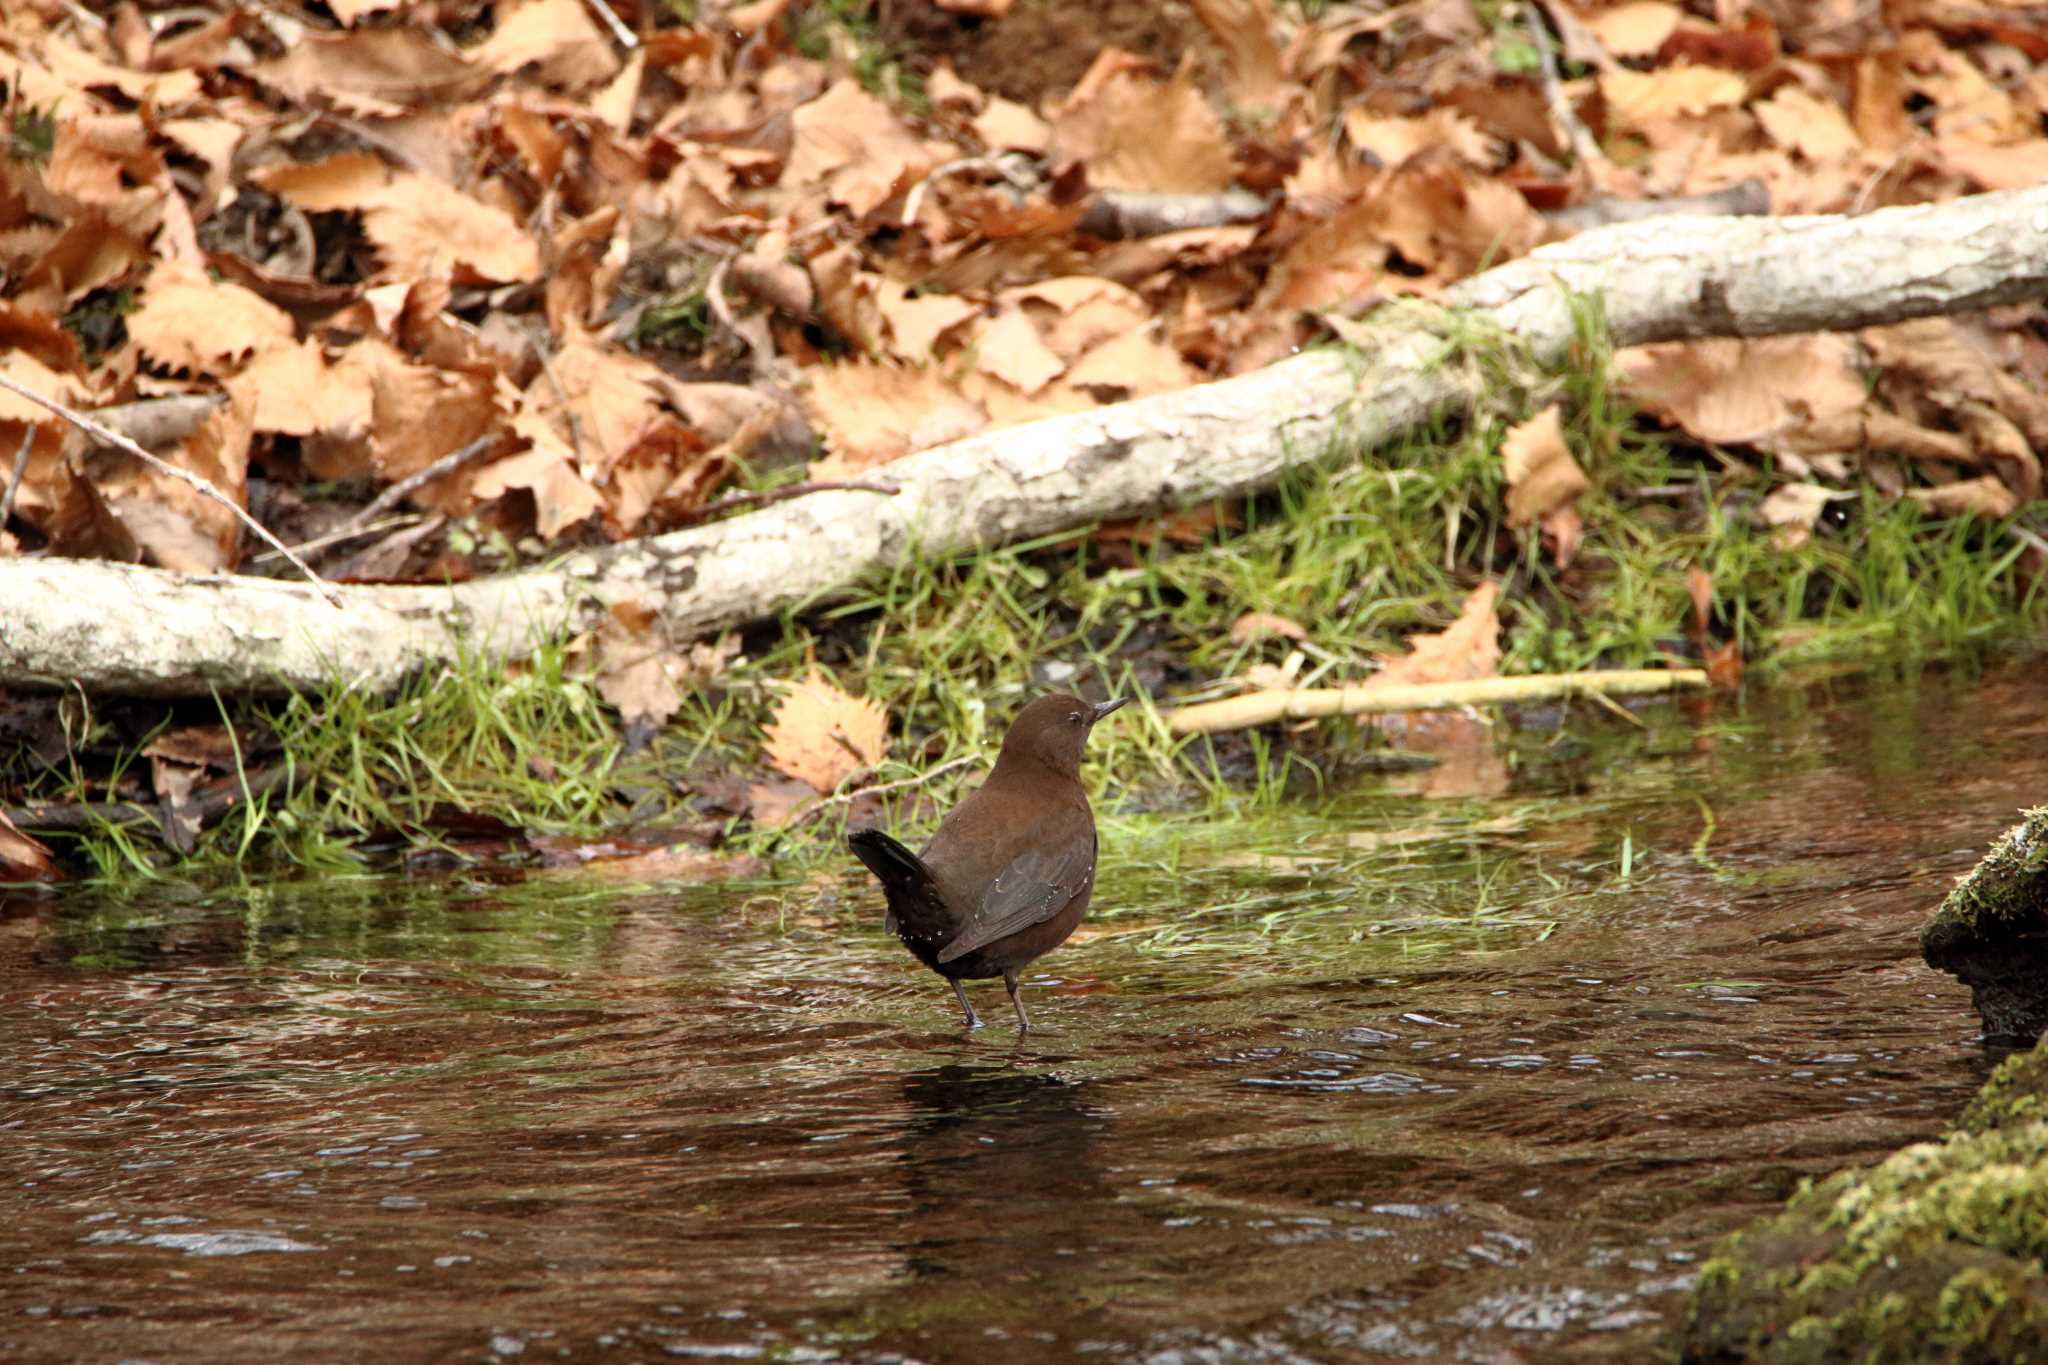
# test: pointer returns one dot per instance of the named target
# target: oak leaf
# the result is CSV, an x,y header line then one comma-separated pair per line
x,y
822,736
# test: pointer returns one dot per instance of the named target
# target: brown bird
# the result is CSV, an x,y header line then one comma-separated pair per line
x,y
1009,873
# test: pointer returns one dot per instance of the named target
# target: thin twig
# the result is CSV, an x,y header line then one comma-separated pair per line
x,y
546,355
809,812
412,483
1264,708
625,36
914,201
319,544
2028,539
1584,145
783,494
28,441
108,437
714,295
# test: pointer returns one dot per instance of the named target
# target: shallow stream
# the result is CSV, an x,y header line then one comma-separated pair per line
x,y
1388,1075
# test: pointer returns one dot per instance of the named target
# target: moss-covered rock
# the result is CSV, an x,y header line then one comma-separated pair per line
x,y
1935,1255
1992,932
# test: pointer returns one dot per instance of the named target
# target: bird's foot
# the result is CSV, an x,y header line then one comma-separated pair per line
x,y
1017,1001
966,1006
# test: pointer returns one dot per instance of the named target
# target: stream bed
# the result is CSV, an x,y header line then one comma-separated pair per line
x,y
1436,1067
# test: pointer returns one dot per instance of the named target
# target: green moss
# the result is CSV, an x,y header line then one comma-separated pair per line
x,y
1971,1303
2009,887
1991,930
1935,1253
2016,1093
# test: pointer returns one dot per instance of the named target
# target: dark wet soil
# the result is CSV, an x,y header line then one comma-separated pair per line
x,y
1041,49
1382,1079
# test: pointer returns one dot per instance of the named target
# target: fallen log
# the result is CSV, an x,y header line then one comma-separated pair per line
x,y
120,628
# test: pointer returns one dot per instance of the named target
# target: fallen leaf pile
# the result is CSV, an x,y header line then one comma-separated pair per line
x,y
581,272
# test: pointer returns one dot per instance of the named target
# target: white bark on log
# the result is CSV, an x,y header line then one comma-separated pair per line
x,y
120,628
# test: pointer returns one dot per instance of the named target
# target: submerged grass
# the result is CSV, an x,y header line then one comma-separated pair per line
x,y
1361,555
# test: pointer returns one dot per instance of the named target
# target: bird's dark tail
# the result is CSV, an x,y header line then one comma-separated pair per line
x,y
916,909
887,859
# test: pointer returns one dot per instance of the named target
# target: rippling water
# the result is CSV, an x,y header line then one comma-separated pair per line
x,y
1383,1077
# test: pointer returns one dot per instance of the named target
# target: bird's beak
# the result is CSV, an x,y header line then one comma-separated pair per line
x,y
1103,708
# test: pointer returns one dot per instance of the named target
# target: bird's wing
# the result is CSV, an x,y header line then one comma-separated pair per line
x,y
1035,885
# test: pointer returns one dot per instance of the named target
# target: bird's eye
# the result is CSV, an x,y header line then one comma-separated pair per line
x,y
1075,717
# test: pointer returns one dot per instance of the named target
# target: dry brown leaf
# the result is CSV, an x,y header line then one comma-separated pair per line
x,y
1985,497
1723,660
1393,140
916,324
609,399
949,94
854,145
348,11
558,35
1090,310
1006,407
638,669
292,389
2011,166
1734,390
102,158
1632,30
176,526
1264,677
1815,128
1642,98
870,414
421,226
23,859
1244,29
547,470
1008,347
189,321
419,414
848,297
1469,648
75,69
1543,478
1136,133
386,72
1133,365
211,142
614,104
1006,126
1699,585
821,736
1792,509
1339,262
770,804
1255,625
1965,101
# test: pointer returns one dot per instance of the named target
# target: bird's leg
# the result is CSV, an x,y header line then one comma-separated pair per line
x,y
960,994
1023,1019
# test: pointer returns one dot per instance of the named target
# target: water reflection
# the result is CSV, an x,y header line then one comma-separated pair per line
x,y
1002,1168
